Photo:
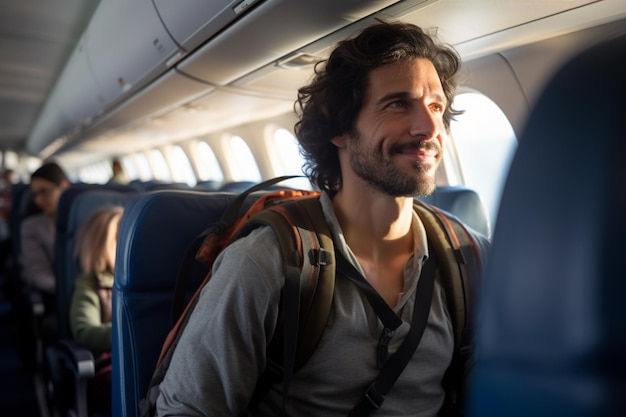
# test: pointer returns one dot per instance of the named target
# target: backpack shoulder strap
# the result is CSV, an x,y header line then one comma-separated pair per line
x,y
459,261
308,255
306,244
317,276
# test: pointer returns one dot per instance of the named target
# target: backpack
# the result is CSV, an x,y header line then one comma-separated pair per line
x,y
309,258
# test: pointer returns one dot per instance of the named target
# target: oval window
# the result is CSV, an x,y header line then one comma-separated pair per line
x,y
485,143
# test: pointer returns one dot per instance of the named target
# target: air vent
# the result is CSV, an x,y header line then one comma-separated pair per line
x,y
299,61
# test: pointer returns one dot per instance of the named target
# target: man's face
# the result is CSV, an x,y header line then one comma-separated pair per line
x,y
400,131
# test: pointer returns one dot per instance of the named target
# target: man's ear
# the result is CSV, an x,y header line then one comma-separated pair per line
x,y
340,141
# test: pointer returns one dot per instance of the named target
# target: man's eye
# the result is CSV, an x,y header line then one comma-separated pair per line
x,y
397,104
438,107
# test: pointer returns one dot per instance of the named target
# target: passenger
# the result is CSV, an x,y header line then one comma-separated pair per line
x,y
90,307
373,125
9,178
38,231
119,177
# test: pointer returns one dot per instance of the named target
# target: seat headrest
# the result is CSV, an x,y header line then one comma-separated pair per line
x,y
463,203
552,327
75,205
154,235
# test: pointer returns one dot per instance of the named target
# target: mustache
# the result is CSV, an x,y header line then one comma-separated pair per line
x,y
416,145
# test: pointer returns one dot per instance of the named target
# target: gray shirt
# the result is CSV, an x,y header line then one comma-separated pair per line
x,y
222,350
37,253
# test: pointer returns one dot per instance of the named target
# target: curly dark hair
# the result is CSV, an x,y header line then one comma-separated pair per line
x,y
52,172
329,105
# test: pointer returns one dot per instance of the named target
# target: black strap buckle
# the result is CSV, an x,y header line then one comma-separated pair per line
x,y
374,397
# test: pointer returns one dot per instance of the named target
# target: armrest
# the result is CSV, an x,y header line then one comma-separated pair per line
x,y
78,359
70,367
37,306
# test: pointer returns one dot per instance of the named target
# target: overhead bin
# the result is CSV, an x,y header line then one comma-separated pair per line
x,y
74,102
127,47
285,75
169,91
259,36
192,22
123,49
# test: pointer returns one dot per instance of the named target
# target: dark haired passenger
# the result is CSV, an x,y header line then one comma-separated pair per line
x,y
38,230
373,125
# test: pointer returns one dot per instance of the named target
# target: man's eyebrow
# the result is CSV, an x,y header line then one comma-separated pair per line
x,y
392,96
440,98
395,95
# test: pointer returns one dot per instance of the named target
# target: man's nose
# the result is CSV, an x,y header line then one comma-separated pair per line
x,y
425,122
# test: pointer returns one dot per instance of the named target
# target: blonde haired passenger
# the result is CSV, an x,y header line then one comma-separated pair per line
x,y
90,308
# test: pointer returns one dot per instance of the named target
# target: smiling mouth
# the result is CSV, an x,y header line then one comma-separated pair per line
x,y
420,150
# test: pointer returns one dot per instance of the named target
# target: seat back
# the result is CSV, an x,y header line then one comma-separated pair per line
x,y
552,327
463,203
155,232
75,205
21,199
157,185
237,186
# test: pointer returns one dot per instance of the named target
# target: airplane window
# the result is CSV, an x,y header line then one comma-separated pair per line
x,y
97,173
181,167
485,143
129,167
208,168
143,167
161,170
10,159
245,168
291,161
32,163
87,174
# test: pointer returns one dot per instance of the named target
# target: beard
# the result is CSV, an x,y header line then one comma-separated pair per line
x,y
379,171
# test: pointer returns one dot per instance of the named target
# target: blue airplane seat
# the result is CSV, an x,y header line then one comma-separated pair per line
x,y
75,205
64,360
237,186
552,322
69,215
22,206
154,235
463,203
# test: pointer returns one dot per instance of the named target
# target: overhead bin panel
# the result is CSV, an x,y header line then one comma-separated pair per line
x,y
272,29
168,92
73,103
284,76
127,47
78,91
191,22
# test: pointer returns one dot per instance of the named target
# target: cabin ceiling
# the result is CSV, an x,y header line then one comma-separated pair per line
x,y
36,41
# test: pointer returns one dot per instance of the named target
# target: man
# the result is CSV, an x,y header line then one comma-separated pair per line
x,y
373,125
